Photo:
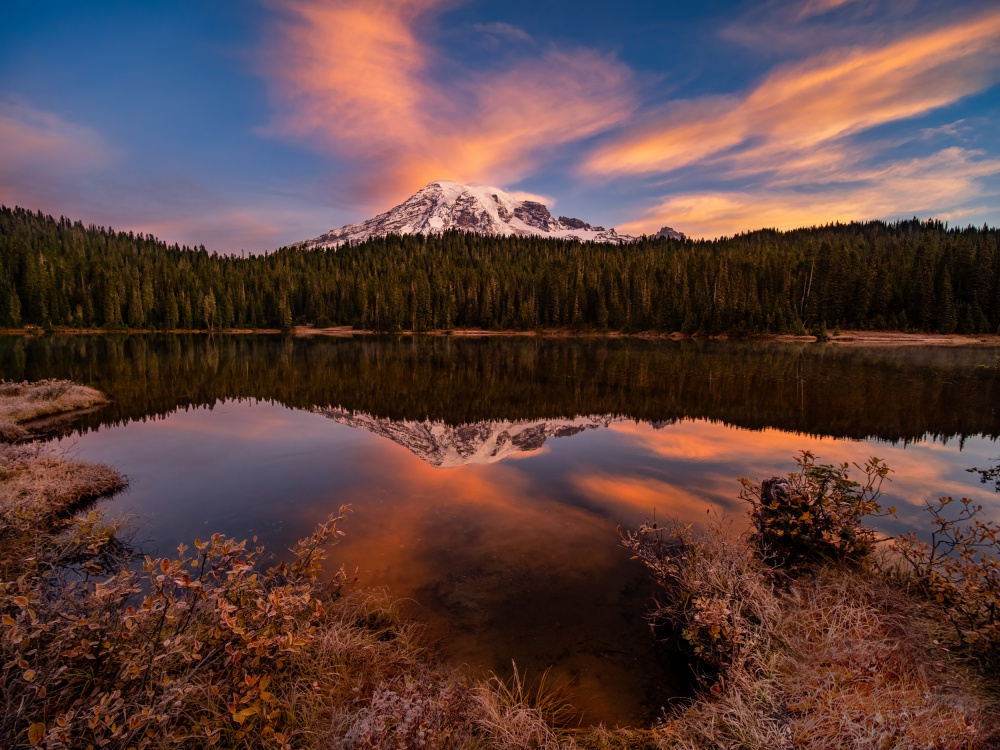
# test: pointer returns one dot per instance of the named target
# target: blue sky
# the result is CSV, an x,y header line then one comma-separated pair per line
x,y
248,125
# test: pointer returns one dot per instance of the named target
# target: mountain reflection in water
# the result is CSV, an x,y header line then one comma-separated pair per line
x,y
487,476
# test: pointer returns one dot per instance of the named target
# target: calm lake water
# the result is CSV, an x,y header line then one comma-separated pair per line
x,y
487,476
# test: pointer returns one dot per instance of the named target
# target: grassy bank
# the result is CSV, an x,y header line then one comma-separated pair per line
x,y
806,631
810,631
23,403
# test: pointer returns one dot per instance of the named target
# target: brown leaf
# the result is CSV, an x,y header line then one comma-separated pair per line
x,y
36,733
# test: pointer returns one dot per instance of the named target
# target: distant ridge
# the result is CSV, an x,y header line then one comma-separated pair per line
x,y
444,205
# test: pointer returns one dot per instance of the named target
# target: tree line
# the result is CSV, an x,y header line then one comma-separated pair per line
x,y
906,275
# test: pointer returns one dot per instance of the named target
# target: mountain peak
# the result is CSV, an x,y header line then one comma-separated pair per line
x,y
671,234
443,204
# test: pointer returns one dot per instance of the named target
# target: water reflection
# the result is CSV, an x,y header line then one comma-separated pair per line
x,y
488,477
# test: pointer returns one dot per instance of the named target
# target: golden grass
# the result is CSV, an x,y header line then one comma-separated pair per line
x,y
840,659
36,487
25,402
366,680
864,664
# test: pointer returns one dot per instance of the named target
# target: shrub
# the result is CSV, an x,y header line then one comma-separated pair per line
x,y
815,514
186,649
835,656
959,569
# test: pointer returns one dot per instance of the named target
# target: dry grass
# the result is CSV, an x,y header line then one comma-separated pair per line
x,y
36,486
844,658
366,681
25,402
864,664
518,713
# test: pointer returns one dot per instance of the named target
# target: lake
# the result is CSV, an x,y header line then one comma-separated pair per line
x,y
488,475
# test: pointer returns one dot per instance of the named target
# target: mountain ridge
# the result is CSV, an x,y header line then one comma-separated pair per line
x,y
442,205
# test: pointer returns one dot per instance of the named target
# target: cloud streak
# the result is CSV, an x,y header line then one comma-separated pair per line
x,y
797,129
829,96
498,30
37,147
355,77
940,184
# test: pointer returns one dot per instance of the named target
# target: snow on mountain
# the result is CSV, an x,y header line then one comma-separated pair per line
x,y
445,446
446,205
670,234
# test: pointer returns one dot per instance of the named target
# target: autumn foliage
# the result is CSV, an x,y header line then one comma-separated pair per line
x,y
184,646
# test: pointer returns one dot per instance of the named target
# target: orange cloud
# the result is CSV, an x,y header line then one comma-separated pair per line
x,y
829,96
793,133
940,184
356,78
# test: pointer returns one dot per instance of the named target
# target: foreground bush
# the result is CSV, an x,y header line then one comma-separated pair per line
x,y
717,594
815,514
189,646
960,571
801,640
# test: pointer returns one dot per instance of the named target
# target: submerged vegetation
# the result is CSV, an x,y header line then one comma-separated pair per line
x,y
908,275
805,631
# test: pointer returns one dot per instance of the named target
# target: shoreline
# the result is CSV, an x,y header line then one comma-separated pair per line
x,y
846,338
848,652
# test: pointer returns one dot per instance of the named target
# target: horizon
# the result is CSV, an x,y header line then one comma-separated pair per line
x,y
252,126
200,246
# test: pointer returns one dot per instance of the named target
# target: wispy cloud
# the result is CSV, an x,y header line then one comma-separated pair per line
x,y
834,94
820,7
355,77
37,146
798,129
945,184
500,30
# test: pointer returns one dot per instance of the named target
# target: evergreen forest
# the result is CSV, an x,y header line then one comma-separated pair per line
x,y
908,276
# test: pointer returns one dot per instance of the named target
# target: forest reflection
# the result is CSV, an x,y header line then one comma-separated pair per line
x,y
893,394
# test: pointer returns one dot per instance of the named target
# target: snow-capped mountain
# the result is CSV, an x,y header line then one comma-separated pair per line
x,y
446,205
445,446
